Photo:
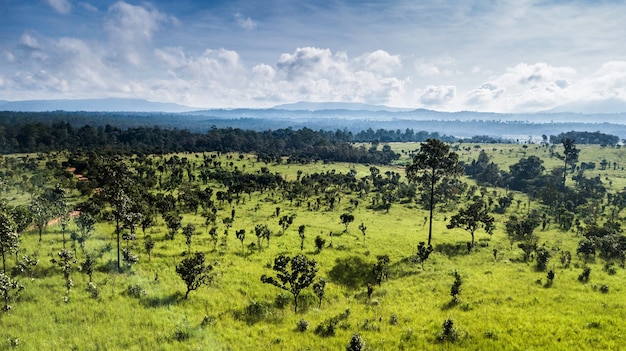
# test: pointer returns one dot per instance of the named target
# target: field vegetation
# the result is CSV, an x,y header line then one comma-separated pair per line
x,y
232,251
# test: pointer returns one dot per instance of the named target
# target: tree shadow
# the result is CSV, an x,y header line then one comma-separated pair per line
x,y
351,272
452,250
162,301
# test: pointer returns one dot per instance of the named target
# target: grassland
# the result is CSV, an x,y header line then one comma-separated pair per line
x,y
505,304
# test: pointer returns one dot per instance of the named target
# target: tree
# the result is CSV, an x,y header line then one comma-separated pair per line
x,y
194,272
423,252
9,240
346,219
241,235
301,234
522,230
40,211
188,231
319,287
381,268
173,223
570,155
9,288
430,165
293,275
149,246
455,289
87,266
363,228
285,221
472,218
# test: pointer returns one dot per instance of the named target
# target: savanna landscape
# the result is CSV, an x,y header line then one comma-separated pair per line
x,y
421,245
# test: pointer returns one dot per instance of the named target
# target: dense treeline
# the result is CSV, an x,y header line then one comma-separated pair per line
x,y
304,145
586,138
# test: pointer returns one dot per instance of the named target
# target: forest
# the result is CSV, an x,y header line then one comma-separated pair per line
x,y
151,238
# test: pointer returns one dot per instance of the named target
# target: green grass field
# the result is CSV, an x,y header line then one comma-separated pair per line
x,y
504,304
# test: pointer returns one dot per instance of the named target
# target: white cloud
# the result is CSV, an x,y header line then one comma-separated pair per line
x,y
523,88
245,22
131,29
61,6
437,95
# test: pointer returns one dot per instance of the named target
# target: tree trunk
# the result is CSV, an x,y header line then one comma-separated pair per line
x,y
432,205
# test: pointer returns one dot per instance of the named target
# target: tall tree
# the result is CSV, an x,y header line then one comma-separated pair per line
x,y
292,275
8,237
194,272
472,218
569,156
430,165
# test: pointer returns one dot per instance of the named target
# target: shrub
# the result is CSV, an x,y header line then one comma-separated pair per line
x,y
543,256
356,343
448,332
455,289
319,243
584,276
135,291
302,325
604,289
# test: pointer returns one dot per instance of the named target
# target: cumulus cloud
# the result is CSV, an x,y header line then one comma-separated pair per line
x,y
245,22
437,95
523,88
131,28
437,66
61,6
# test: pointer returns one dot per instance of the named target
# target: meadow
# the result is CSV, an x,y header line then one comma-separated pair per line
x,y
504,303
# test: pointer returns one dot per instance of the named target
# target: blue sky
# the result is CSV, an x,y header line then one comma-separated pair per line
x,y
490,55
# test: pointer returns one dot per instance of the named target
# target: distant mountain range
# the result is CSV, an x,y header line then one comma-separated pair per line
x,y
93,105
593,112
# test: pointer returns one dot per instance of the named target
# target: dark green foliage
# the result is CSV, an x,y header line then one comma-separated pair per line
x,y
292,275
319,287
346,219
301,230
302,325
543,257
381,268
423,252
550,277
66,262
10,289
584,276
566,259
432,163
329,326
87,266
319,243
604,289
471,218
455,289
9,240
448,332
188,231
356,343
135,291
194,272
521,229
149,246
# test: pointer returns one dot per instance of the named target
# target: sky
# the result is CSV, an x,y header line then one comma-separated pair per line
x,y
446,55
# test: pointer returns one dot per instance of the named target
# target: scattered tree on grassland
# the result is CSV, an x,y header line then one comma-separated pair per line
x,y
292,274
194,272
471,218
430,165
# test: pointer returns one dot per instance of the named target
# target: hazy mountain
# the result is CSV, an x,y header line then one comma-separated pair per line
x,y
607,106
351,106
93,105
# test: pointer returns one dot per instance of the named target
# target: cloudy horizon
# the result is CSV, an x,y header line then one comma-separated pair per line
x,y
493,56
